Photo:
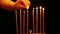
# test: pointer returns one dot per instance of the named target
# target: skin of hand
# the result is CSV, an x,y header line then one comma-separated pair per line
x,y
26,2
10,5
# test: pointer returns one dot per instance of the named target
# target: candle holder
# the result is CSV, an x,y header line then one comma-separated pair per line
x,y
24,23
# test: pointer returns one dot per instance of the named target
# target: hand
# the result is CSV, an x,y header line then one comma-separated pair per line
x,y
10,5
26,2
21,4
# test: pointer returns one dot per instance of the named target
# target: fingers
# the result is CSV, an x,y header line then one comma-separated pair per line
x,y
22,7
22,4
19,6
26,2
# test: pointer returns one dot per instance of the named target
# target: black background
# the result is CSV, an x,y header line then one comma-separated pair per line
x,y
8,17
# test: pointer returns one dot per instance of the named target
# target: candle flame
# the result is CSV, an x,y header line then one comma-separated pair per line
x,y
33,8
36,7
43,8
27,7
40,7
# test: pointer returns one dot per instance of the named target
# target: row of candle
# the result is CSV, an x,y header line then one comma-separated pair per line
x,y
41,20
21,21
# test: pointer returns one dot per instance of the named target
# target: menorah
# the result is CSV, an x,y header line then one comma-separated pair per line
x,y
22,26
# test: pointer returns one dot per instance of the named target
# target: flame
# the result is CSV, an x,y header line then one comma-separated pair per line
x,y
33,8
40,7
43,9
36,7
27,7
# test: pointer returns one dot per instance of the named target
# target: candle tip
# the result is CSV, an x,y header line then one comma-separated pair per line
x,y
40,7
43,8
27,7
33,8
36,7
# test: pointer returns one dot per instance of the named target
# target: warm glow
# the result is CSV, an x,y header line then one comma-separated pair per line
x,y
33,8
36,7
30,31
40,7
43,9
27,7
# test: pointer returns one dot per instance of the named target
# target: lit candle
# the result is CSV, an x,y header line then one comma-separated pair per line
x,y
20,21
36,19
23,21
27,18
40,18
33,20
16,22
43,20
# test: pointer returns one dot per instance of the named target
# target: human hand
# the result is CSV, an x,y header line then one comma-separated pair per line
x,y
26,2
21,4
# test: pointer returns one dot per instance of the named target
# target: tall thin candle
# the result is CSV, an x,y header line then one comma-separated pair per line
x,y
27,18
20,21
23,21
16,22
36,19
43,20
33,20
40,18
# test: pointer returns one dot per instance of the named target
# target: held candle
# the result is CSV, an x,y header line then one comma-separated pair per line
x,y
16,22
27,18
20,21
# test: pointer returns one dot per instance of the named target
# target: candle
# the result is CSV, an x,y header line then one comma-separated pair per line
x,y
23,21
33,20
40,18
16,22
20,21
27,18
36,19
43,20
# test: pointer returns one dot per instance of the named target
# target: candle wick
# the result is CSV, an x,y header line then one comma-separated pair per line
x,y
27,7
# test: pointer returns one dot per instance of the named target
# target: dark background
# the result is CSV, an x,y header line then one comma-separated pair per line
x,y
8,17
